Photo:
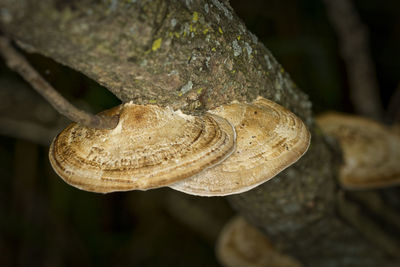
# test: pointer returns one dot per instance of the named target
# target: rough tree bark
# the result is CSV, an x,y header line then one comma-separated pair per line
x,y
196,55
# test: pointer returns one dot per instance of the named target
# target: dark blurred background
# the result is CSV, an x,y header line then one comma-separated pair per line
x,y
44,222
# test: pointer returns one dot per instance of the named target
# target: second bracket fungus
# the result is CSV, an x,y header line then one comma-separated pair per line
x,y
269,139
150,147
240,244
371,151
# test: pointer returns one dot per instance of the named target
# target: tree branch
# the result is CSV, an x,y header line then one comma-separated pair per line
x,y
196,55
18,63
353,42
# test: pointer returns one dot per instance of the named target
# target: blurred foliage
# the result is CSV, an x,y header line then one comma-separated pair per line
x,y
44,222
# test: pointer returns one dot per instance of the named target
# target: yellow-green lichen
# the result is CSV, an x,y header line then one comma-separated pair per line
x,y
192,29
195,16
199,90
205,31
152,101
156,44
220,30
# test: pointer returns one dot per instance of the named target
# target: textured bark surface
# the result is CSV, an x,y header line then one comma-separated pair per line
x,y
196,55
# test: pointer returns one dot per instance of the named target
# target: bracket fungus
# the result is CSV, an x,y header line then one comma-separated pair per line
x,y
371,151
269,139
240,244
150,147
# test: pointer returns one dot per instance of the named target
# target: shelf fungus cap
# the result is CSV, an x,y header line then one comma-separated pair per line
x,y
240,244
269,139
150,147
371,151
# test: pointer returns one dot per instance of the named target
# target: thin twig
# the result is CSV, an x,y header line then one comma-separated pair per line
x,y
18,63
353,41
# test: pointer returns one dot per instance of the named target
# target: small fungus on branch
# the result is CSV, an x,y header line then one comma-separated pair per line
x,y
240,244
371,150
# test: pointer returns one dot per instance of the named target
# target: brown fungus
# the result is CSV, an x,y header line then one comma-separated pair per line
x,y
150,147
240,244
371,151
269,139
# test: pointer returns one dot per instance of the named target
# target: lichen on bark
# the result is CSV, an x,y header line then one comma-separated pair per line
x,y
149,51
